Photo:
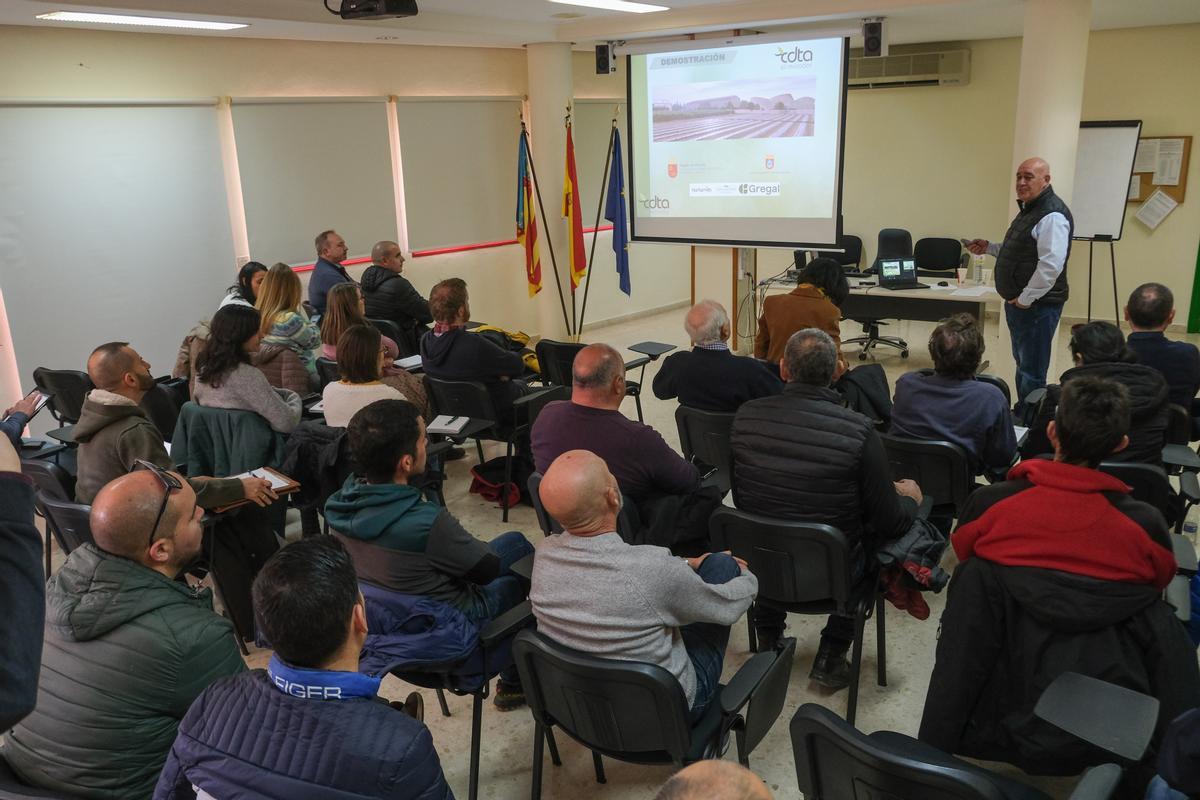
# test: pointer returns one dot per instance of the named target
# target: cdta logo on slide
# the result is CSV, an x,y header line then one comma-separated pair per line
x,y
655,202
793,56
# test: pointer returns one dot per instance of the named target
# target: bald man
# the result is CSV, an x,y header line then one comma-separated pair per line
x,y
114,433
1031,272
709,377
389,295
127,646
595,593
643,463
714,780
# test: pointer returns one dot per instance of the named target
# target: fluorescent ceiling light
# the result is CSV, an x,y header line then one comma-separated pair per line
x,y
614,5
149,22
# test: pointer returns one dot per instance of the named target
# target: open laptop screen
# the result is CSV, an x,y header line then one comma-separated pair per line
x,y
898,269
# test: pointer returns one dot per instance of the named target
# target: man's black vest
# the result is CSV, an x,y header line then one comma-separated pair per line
x,y
1018,257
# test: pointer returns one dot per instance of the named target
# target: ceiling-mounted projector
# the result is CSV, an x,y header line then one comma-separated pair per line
x,y
375,9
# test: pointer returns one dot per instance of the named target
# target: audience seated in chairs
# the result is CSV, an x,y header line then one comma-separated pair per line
x,y
245,291
1061,571
713,779
128,646
310,724
225,377
709,377
361,359
345,309
114,433
450,353
802,456
595,593
950,405
406,544
389,295
814,303
284,323
1099,350
22,591
1150,311
17,417
328,271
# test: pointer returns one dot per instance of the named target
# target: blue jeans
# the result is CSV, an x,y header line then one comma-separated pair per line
x,y
1032,331
705,642
504,592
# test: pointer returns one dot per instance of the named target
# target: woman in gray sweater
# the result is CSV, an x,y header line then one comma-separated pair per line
x,y
225,377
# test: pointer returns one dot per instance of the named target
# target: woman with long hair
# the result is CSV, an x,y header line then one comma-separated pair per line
x,y
284,321
245,291
226,378
361,358
344,308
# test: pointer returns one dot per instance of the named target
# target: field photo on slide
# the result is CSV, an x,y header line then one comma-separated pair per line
x,y
740,109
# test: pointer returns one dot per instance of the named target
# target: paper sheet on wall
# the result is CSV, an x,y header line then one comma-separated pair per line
x,y
1146,159
1170,162
1135,186
1155,209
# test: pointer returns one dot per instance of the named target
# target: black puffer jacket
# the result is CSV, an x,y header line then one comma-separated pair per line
x,y
389,295
1149,394
802,456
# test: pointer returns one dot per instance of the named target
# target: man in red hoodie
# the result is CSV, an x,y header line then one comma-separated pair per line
x,y
1065,514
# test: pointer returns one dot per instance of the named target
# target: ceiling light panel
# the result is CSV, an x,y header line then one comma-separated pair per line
x,y
145,22
615,5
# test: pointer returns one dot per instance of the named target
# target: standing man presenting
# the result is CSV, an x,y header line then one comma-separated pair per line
x,y
1031,272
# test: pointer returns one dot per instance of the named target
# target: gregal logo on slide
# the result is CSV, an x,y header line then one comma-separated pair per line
x,y
793,56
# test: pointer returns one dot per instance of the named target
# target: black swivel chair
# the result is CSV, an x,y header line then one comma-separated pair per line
x,y
555,360
56,483
327,372
937,257
805,568
834,760
892,243
704,436
637,712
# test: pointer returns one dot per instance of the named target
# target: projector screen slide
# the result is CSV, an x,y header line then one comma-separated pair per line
x,y
739,144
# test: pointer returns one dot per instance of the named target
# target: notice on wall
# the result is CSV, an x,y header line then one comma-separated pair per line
x,y
1135,187
1146,159
1170,162
1155,209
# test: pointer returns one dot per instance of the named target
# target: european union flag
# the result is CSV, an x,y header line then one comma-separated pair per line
x,y
614,212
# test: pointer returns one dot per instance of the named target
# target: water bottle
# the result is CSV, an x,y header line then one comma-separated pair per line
x,y
1191,523
977,268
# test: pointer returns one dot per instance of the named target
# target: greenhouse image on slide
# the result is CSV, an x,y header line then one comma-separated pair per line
x,y
746,109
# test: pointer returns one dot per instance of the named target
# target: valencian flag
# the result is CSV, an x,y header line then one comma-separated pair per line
x,y
614,212
574,216
526,220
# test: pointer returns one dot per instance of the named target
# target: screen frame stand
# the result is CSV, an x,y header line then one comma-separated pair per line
x,y
1112,258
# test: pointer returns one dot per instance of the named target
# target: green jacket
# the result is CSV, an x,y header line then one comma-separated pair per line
x,y
126,652
224,441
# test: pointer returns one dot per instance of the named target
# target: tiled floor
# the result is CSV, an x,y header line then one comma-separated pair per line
x,y
507,738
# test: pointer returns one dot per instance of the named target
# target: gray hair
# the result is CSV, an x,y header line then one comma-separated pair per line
x,y
810,357
605,368
704,322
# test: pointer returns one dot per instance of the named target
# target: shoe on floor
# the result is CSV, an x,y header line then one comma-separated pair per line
x,y
508,697
454,454
768,640
831,668
413,705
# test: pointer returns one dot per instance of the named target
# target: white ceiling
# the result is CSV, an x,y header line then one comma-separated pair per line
x,y
512,23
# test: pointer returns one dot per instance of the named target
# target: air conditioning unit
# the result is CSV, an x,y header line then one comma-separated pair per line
x,y
937,68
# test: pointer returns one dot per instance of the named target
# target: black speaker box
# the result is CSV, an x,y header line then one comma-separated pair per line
x,y
872,39
605,61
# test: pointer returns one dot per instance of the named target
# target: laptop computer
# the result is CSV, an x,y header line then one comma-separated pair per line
x,y
899,273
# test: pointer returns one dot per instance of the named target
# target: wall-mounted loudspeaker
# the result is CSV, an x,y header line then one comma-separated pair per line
x,y
873,42
606,62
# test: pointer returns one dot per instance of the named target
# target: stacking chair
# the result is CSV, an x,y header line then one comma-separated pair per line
x,y
1151,485
805,568
67,388
937,257
68,520
704,436
941,469
54,482
162,404
851,259
391,330
627,524
834,760
327,371
637,712
555,360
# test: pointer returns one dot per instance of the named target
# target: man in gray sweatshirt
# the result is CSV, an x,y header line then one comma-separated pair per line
x,y
595,593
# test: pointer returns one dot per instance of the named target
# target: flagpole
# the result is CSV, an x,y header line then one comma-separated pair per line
x,y
549,239
575,332
595,231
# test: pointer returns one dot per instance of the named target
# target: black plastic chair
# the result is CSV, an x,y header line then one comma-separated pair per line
x,y
67,388
57,484
936,256
69,520
391,330
805,568
626,522
163,402
852,257
556,358
704,436
1151,485
941,469
327,372
637,712
835,761
11,787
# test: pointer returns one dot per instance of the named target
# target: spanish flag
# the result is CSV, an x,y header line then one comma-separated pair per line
x,y
574,216
526,220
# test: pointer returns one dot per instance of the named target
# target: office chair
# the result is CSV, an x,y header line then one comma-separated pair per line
x,y
937,257
893,243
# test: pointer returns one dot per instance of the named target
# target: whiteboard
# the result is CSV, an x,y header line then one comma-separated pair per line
x,y
1103,167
